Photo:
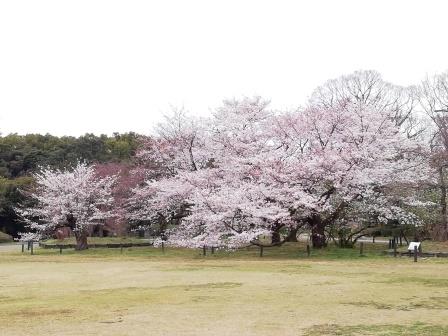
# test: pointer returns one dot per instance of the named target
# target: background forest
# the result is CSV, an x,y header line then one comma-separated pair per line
x,y
21,155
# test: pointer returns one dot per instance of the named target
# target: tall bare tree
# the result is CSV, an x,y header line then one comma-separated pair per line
x,y
368,89
433,98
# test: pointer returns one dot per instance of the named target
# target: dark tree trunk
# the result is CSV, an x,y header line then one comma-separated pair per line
x,y
292,236
80,234
276,234
163,224
81,241
318,238
345,243
275,237
100,231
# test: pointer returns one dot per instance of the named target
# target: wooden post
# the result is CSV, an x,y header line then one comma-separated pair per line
x,y
361,248
415,253
308,250
32,246
261,251
23,247
204,250
373,239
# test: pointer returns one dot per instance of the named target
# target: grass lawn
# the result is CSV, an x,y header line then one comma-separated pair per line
x,y
5,238
428,246
181,292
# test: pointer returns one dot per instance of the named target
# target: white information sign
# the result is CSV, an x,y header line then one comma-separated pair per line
x,y
412,246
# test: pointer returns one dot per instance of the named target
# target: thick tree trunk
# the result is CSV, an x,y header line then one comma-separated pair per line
x,y
275,237
318,238
80,234
292,236
275,234
81,241
100,231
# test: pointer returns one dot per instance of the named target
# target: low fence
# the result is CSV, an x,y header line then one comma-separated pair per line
x,y
420,254
108,245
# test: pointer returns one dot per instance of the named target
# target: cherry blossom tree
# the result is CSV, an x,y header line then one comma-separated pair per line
x,y
76,198
262,171
179,147
201,186
342,154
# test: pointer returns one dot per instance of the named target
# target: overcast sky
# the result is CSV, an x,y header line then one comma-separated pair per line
x,y
71,67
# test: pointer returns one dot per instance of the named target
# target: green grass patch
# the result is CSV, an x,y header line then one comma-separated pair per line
x,y
416,329
5,238
287,251
428,246
427,281
284,252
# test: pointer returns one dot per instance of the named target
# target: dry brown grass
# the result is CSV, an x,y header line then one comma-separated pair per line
x,y
182,293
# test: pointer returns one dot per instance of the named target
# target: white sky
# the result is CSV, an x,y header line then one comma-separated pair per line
x,y
70,67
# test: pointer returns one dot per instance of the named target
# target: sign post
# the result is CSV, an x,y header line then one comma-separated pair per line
x,y
414,247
